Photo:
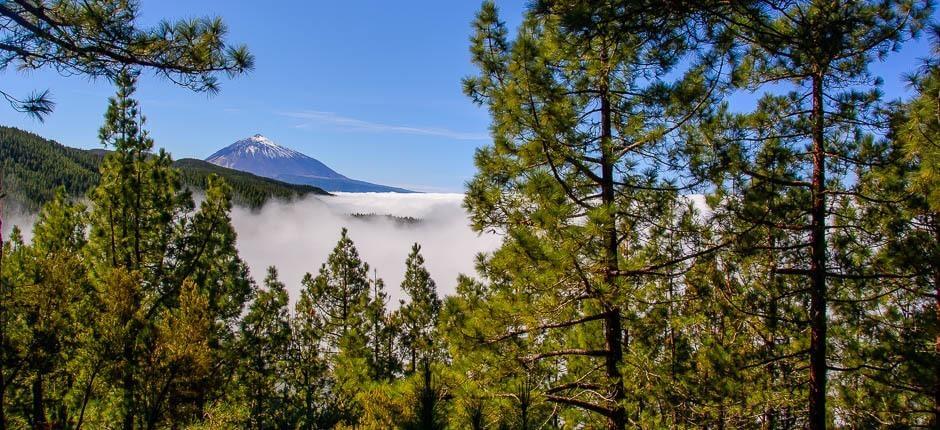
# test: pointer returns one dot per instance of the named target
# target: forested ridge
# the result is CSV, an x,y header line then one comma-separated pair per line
x,y
33,167
803,293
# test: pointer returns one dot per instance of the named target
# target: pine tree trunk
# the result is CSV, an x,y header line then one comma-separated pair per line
x,y
86,396
936,285
3,385
39,408
818,319
612,323
428,400
127,386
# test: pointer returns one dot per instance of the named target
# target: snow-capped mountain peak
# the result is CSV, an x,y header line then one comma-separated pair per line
x,y
259,155
257,146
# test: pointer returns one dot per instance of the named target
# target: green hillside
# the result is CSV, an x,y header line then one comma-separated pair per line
x,y
250,190
33,167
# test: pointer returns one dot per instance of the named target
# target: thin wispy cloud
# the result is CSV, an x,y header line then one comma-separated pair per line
x,y
353,124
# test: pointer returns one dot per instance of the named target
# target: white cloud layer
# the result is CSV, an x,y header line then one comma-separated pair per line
x,y
297,237
16,217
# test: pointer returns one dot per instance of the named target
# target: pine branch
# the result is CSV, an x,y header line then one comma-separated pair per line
x,y
546,327
566,352
607,412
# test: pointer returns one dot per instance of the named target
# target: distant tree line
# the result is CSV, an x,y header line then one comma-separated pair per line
x,y
33,167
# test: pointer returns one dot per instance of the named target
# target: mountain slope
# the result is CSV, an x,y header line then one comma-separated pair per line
x,y
32,167
249,189
259,155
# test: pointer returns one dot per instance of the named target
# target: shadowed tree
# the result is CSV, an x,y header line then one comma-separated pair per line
x,y
787,167
265,339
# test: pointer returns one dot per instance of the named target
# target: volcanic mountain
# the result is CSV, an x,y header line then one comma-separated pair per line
x,y
259,155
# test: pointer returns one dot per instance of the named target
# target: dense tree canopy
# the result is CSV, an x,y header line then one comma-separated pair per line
x,y
667,261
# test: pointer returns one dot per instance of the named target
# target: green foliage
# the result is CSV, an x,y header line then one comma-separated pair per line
x,y
264,344
788,196
616,299
32,167
247,189
132,323
582,178
419,316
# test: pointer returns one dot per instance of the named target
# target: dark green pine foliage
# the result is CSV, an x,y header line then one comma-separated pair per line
x,y
420,344
133,225
429,410
894,344
169,282
786,172
341,291
264,343
382,333
309,378
419,315
583,177
206,255
348,318
45,307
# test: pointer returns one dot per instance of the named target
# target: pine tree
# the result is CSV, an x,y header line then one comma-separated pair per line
x,y
308,363
133,217
893,343
381,333
340,292
584,130
265,339
920,135
54,305
419,316
339,299
43,307
207,255
790,157
181,362
147,245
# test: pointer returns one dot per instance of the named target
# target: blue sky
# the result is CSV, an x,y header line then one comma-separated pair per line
x,y
369,87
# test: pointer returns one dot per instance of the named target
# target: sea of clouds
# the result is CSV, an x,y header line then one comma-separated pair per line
x,y
297,236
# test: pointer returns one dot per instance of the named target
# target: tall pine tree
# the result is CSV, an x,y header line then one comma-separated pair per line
x,y
790,160
580,177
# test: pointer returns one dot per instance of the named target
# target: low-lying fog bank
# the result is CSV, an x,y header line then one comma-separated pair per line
x,y
298,236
